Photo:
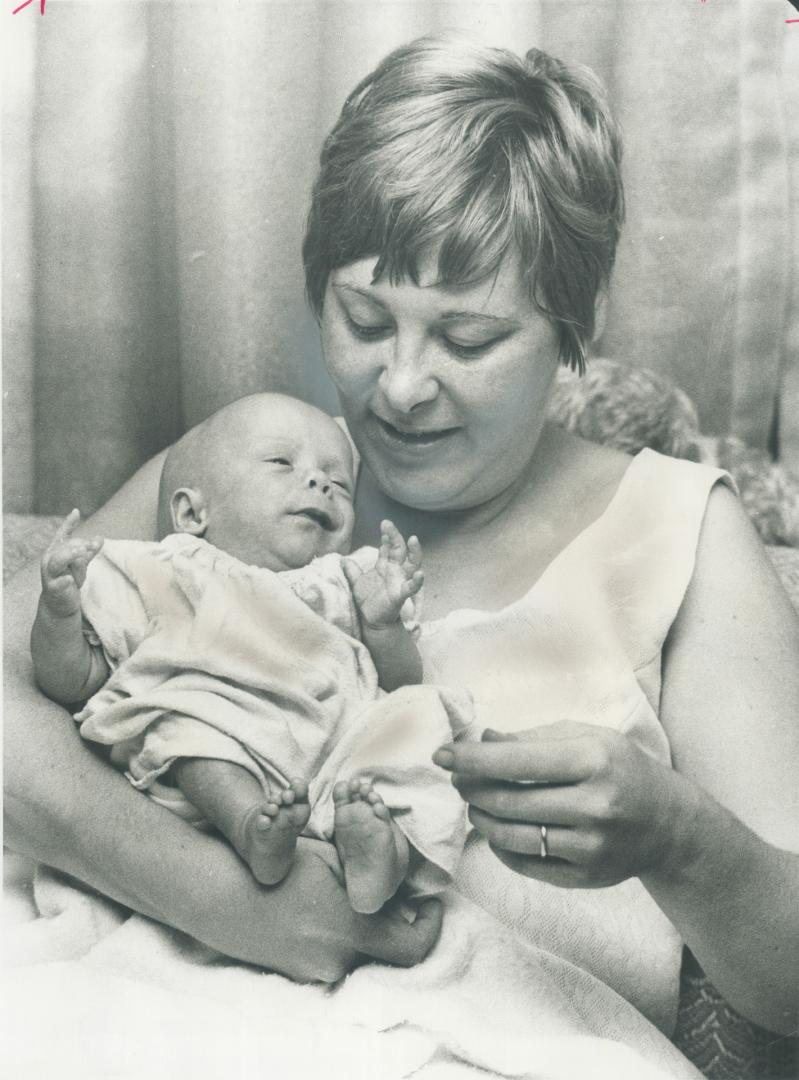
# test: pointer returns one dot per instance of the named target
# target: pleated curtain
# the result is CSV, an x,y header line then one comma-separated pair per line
x,y
158,159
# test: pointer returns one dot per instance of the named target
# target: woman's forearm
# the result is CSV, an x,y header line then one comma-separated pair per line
x,y
735,901
62,805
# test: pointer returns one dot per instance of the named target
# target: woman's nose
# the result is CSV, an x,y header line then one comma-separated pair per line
x,y
407,381
318,481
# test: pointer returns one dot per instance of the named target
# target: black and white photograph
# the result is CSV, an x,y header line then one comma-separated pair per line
x,y
400,539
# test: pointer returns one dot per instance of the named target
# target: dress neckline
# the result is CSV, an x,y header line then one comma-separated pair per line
x,y
467,614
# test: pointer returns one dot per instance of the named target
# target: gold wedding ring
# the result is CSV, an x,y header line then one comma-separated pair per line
x,y
544,848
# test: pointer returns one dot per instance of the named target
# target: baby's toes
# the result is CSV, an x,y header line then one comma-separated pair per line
x,y
378,806
341,793
360,788
300,789
267,816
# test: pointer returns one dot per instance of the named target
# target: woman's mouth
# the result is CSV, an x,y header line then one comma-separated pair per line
x,y
412,437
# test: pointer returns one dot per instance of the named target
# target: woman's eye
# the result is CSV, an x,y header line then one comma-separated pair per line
x,y
468,350
366,331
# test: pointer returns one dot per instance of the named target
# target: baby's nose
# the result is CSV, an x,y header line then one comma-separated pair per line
x,y
318,481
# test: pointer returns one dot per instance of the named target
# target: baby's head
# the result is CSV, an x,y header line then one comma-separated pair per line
x,y
268,479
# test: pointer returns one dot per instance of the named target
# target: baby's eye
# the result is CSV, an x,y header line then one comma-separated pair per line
x,y
342,486
278,461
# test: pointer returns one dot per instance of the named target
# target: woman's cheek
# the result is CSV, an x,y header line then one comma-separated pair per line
x,y
341,361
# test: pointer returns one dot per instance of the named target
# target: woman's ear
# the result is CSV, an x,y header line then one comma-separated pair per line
x,y
600,314
189,512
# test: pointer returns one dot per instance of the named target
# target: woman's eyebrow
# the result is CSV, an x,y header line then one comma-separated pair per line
x,y
341,286
480,316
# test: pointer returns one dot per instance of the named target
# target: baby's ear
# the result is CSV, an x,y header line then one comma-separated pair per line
x,y
189,512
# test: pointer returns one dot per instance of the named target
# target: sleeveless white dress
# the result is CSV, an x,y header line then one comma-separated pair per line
x,y
584,643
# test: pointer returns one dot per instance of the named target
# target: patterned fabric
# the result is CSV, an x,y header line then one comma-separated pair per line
x,y
720,1042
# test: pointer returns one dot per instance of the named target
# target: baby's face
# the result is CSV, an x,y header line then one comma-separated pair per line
x,y
282,488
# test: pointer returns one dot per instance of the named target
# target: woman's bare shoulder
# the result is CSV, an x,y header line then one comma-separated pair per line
x,y
731,676
131,513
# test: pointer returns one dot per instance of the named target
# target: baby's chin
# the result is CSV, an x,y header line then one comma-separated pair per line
x,y
296,558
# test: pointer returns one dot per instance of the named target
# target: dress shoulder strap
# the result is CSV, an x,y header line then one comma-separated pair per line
x,y
662,505
636,561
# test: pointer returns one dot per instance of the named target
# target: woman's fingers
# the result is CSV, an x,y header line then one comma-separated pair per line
x,y
535,759
553,871
524,802
389,936
573,845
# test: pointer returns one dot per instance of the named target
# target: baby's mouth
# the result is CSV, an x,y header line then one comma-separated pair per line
x,y
320,517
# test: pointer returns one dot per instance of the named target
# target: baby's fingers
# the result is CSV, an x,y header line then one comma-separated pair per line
x,y
67,527
412,585
351,571
69,556
80,566
391,539
414,557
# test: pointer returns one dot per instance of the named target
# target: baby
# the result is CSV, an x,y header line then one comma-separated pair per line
x,y
238,668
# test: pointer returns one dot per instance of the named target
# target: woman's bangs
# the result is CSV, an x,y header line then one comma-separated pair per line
x,y
469,232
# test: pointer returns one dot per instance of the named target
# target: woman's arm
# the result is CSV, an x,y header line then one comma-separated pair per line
x,y
715,841
730,706
67,808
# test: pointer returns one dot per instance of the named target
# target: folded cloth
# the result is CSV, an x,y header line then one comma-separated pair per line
x,y
93,989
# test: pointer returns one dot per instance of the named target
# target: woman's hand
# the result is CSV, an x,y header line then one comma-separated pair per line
x,y
304,927
608,808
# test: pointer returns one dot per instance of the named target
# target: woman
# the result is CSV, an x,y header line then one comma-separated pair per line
x,y
461,236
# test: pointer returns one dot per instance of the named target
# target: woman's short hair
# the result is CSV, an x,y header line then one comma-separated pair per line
x,y
453,146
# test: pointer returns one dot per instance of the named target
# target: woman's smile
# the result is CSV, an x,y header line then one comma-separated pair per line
x,y
401,435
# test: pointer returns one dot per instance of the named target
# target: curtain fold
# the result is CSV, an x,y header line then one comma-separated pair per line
x,y
157,167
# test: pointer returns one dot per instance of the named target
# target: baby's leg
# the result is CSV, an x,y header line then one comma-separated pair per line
x,y
263,830
372,849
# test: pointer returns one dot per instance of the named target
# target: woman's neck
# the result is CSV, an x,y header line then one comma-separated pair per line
x,y
373,505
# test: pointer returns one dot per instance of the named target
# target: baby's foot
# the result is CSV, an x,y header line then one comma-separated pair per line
x,y
372,849
269,833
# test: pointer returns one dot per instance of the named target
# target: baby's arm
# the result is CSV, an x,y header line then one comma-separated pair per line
x,y
379,594
68,669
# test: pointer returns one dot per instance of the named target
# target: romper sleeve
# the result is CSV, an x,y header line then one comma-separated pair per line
x,y
114,615
323,587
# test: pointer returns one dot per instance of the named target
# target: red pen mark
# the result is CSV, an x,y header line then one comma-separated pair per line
x,y
21,6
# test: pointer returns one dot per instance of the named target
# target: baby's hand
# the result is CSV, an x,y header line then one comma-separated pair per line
x,y
379,593
64,567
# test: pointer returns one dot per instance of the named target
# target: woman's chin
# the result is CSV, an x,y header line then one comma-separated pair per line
x,y
426,489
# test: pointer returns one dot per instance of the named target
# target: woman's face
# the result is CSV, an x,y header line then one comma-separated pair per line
x,y
444,388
